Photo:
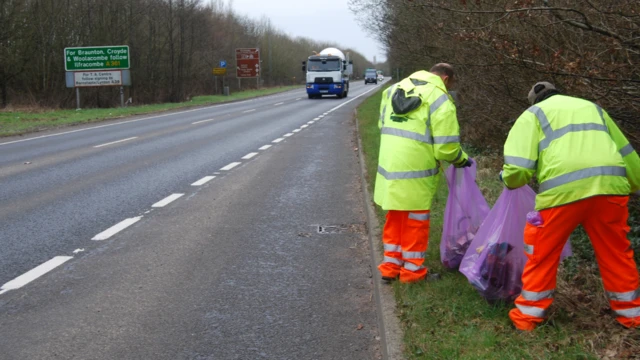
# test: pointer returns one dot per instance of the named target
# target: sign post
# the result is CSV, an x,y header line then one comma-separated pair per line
x,y
248,64
97,66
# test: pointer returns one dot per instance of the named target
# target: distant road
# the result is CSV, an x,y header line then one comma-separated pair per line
x,y
234,231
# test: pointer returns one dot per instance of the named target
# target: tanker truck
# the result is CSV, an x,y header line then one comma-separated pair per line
x,y
327,73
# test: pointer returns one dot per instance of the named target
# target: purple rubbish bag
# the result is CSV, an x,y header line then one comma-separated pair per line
x,y
465,210
495,259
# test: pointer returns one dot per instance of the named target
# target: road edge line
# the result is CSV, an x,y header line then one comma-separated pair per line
x,y
391,335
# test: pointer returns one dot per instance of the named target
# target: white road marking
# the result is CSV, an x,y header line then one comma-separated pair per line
x,y
126,122
298,99
249,155
310,122
264,147
230,166
202,121
117,228
304,126
203,181
280,103
277,140
316,119
115,142
288,134
34,273
352,99
296,130
78,251
166,201
248,111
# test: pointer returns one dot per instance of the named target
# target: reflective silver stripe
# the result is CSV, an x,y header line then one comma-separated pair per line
x,y
582,174
604,122
383,114
528,249
626,150
389,91
520,161
403,175
628,313
532,311
412,267
542,119
406,134
446,139
439,101
392,248
421,217
412,255
388,259
624,296
535,296
556,134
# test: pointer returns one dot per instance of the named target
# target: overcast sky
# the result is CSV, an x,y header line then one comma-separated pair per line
x,y
322,20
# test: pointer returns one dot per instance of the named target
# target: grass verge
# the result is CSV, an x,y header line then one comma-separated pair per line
x,y
448,319
22,122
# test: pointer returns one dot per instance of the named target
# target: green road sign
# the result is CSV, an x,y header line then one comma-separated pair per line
x,y
96,58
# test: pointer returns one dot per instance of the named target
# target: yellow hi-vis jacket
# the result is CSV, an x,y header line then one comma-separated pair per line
x,y
576,150
418,127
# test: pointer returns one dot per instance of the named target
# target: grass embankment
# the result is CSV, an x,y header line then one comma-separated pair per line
x,y
448,319
21,122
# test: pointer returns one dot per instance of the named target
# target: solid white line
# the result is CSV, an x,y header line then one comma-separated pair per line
x,y
288,134
277,140
115,142
280,103
296,130
352,99
166,201
126,122
34,273
304,126
203,181
202,121
248,111
117,228
264,147
230,166
249,156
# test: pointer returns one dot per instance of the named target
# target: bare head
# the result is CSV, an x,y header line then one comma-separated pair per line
x,y
446,73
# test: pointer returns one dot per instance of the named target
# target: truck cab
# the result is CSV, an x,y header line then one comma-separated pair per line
x,y
326,74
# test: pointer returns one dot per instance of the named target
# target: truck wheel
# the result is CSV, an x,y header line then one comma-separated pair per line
x,y
310,96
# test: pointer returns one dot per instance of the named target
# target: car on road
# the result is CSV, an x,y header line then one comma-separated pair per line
x,y
370,76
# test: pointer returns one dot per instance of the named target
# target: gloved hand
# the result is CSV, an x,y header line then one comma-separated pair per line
x,y
465,164
500,176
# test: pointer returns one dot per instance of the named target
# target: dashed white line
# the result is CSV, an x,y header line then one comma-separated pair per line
x,y
117,228
202,121
316,119
298,99
304,126
115,142
203,181
288,134
280,103
34,273
230,166
277,140
310,122
296,130
264,147
249,155
248,111
166,201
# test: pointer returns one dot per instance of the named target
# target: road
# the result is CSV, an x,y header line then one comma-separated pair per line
x,y
234,231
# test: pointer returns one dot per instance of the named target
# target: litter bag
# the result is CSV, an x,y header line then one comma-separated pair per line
x,y
465,210
495,259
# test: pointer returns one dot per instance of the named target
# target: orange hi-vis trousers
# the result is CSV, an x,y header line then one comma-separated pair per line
x,y
405,237
604,218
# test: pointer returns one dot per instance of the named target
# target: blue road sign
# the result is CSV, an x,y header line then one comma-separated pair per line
x,y
223,64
